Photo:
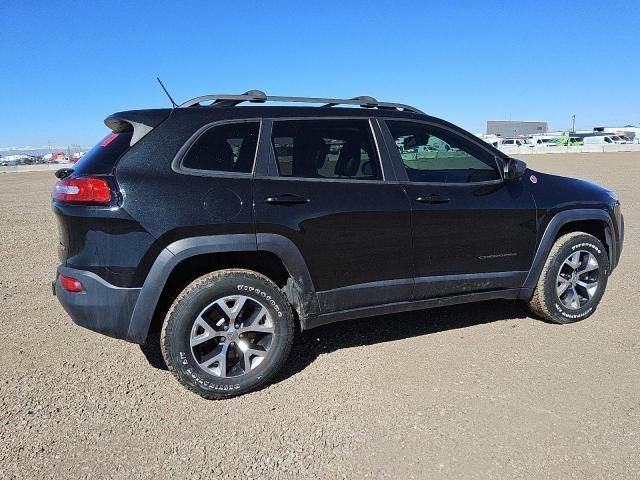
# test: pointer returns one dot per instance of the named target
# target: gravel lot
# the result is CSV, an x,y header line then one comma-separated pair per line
x,y
475,391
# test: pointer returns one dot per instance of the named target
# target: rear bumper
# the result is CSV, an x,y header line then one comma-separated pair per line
x,y
101,307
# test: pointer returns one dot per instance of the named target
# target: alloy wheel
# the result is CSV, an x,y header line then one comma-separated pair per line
x,y
231,336
577,280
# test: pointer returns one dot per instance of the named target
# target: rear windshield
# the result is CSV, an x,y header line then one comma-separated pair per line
x,y
102,158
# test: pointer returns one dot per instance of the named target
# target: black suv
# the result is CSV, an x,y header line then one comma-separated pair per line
x,y
219,229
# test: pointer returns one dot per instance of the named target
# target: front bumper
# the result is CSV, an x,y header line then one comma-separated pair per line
x,y
101,307
621,241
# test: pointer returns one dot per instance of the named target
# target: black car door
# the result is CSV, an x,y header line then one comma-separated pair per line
x,y
472,230
327,191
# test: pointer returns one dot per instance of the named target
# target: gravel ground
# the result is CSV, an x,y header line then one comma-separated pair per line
x,y
475,391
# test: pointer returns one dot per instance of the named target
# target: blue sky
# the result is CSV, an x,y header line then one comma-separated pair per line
x,y
66,65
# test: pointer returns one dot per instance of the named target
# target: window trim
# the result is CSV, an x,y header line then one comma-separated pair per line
x,y
273,159
178,160
397,159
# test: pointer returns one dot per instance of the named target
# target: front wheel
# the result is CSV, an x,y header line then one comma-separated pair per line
x,y
573,279
228,333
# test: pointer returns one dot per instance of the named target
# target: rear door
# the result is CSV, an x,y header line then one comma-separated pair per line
x,y
472,230
327,190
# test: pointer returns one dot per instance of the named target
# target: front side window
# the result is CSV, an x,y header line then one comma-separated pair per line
x,y
325,149
432,154
224,148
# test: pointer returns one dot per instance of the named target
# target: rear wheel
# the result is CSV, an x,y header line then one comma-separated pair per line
x,y
573,279
228,333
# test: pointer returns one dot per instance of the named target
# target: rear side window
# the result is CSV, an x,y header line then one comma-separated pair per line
x,y
102,158
325,149
224,148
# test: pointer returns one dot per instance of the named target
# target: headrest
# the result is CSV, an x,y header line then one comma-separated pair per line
x,y
349,160
309,155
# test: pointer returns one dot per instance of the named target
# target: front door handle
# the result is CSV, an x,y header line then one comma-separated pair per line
x,y
286,199
433,198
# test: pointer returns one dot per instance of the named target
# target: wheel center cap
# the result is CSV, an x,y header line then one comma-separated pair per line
x,y
232,335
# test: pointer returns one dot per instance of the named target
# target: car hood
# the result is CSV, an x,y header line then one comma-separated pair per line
x,y
556,191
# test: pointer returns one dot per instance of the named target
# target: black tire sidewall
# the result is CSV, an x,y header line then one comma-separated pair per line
x,y
557,309
198,297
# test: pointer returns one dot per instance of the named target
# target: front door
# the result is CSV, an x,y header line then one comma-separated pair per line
x,y
472,230
327,194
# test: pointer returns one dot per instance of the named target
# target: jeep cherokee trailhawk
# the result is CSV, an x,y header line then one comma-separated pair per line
x,y
219,227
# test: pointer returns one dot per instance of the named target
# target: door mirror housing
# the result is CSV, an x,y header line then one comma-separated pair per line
x,y
514,168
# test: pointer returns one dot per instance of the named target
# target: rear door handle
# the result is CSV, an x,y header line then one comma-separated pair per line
x,y
286,199
433,198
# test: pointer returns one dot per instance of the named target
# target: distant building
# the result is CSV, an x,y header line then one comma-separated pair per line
x,y
515,128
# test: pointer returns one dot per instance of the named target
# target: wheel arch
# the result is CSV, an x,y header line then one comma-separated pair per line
x,y
592,221
184,260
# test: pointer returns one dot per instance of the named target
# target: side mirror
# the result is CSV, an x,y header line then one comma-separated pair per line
x,y
514,168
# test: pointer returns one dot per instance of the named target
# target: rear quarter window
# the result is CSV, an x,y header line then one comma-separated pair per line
x,y
224,148
102,158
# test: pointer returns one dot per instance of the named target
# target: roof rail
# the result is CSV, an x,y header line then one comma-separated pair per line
x,y
257,96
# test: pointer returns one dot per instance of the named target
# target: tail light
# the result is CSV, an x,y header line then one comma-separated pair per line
x,y
82,190
70,284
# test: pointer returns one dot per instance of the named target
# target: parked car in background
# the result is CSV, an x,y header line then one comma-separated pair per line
x,y
512,142
509,142
544,141
601,140
569,141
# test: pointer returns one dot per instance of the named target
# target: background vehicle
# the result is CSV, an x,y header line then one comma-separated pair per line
x,y
218,231
544,140
511,142
600,139
569,141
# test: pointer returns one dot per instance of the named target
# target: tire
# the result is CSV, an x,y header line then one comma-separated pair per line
x,y
227,333
560,295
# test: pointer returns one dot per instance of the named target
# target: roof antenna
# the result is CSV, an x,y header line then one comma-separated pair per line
x,y
167,92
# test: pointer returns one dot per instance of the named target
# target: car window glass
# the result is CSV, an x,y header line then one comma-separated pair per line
x,y
224,148
432,154
325,149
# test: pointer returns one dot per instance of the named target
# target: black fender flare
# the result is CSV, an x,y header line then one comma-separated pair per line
x,y
559,220
300,290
